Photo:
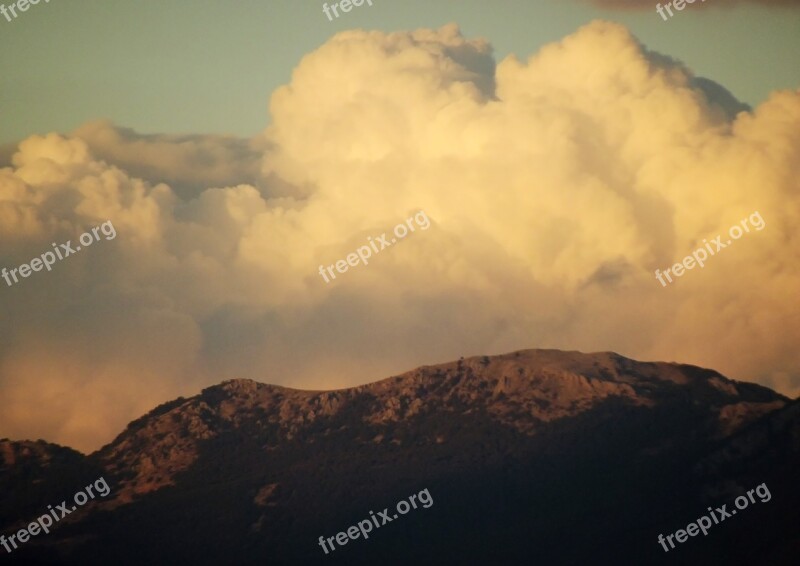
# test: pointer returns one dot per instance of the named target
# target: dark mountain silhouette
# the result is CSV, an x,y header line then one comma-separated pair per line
x,y
538,456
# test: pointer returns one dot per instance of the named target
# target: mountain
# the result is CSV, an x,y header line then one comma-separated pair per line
x,y
537,456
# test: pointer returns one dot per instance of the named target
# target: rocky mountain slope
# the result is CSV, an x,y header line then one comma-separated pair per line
x,y
558,457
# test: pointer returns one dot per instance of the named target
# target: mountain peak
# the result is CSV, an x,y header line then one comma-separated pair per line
x,y
522,390
273,460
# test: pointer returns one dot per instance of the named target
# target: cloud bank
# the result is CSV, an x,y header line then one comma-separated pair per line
x,y
555,187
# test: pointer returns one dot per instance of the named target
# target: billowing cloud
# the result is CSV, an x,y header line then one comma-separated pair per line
x,y
555,187
189,163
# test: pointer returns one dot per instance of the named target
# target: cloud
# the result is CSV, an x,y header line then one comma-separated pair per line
x,y
555,186
647,5
189,163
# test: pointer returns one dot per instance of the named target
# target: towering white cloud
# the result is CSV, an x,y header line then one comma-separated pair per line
x,y
556,186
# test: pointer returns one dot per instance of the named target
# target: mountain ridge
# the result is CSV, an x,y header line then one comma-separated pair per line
x,y
277,464
549,387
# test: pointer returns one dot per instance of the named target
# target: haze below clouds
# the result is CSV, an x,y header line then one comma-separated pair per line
x,y
555,187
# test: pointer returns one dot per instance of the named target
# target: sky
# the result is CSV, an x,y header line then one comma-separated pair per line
x,y
204,66
552,158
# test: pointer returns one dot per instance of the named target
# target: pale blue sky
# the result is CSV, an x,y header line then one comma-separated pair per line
x,y
209,66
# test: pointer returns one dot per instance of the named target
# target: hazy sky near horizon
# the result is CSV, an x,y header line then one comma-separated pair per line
x,y
561,151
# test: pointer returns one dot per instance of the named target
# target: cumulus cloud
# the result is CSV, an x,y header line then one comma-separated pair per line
x,y
189,164
555,187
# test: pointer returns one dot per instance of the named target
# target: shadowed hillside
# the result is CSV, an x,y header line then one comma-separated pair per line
x,y
535,456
